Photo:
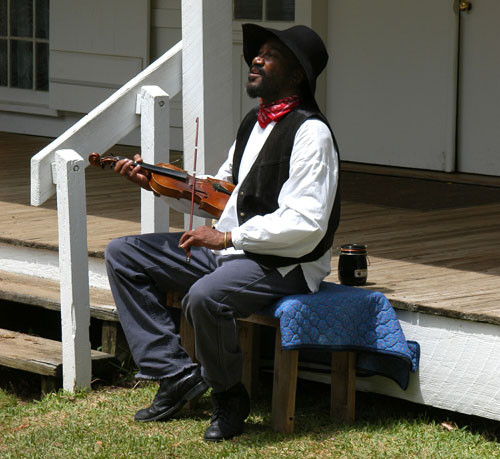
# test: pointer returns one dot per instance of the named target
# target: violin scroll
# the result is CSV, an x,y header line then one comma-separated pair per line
x,y
102,161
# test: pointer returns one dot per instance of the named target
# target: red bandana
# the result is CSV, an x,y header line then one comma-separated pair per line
x,y
276,110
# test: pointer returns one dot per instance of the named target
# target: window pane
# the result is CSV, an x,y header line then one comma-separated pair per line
x,y
42,66
42,18
21,72
280,10
3,18
247,9
21,18
3,62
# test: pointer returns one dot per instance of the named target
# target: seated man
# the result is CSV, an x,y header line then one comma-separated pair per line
x,y
273,238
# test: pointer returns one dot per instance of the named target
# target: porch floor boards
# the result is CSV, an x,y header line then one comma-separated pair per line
x,y
113,204
444,262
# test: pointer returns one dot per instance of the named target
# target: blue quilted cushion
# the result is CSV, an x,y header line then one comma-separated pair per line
x,y
345,318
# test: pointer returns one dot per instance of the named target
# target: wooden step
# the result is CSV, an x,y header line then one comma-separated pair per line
x,y
36,291
39,355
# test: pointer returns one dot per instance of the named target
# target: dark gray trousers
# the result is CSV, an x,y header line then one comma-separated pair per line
x,y
218,289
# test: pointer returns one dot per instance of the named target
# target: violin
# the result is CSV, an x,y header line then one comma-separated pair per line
x,y
211,195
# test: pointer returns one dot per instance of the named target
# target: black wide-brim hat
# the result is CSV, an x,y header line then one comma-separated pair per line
x,y
305,44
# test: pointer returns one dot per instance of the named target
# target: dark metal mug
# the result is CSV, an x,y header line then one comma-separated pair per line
x,y
353,264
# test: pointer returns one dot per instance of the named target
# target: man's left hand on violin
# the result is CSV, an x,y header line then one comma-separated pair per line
x,y
132,170
205,236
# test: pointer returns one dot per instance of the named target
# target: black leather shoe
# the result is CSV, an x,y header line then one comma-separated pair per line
x,y
230,409
172,396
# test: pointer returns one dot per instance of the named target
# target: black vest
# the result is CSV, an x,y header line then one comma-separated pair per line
x,y
258,194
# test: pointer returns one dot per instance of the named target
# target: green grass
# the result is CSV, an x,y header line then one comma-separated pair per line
x,y
100,424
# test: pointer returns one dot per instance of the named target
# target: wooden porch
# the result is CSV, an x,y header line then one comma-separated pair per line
x,y
442,262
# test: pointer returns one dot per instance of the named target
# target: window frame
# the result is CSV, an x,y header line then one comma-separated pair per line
x,y
264,18
303,15
24,100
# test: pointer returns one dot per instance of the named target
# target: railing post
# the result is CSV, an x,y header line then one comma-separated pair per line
x,y
153,104
73,268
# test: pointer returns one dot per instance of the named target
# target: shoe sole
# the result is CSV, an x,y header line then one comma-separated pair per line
x,y
196,391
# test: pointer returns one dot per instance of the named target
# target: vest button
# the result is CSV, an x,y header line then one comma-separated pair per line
x,y
241,193
242,214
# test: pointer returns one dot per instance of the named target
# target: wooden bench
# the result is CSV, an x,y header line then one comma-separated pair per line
x,y
343,374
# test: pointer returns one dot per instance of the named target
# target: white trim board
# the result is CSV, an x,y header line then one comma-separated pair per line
x,y
459,366
44,263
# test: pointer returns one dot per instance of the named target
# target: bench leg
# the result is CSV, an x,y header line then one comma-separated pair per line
x,y
48,384
284,387
343,387
113,340
248,339
109,336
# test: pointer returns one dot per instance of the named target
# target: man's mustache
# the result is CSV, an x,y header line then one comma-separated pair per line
x,y
256,70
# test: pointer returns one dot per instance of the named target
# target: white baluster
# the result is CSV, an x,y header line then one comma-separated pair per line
x,y
153,104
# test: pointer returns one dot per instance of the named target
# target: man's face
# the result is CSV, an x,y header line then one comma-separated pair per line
x,y
270,76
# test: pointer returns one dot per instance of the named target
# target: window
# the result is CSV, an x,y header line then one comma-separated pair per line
x,y
264,10
24,44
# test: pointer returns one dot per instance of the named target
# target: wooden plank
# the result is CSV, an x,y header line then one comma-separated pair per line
x,y
36,291
35,354
268,321
30,353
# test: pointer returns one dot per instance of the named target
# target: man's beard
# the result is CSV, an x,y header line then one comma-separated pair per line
x,y
268,88
253,91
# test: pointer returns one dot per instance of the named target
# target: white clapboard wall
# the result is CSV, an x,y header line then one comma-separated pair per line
x,y
95,47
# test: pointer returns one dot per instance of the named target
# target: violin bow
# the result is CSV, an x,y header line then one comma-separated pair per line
x,y
188,253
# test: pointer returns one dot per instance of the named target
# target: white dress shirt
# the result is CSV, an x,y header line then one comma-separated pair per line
x,y
305,201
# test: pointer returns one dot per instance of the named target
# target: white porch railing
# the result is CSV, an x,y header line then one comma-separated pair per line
x,y
60,167
206,80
